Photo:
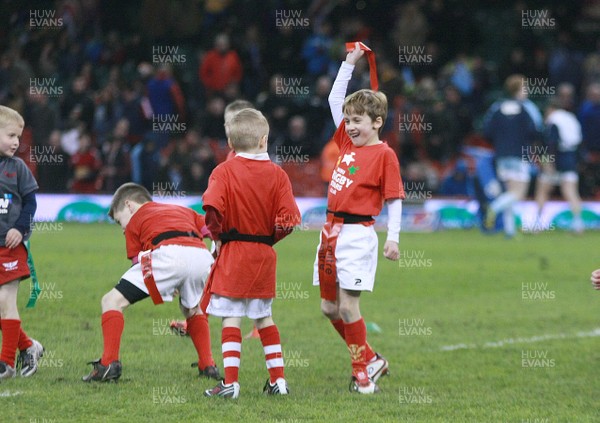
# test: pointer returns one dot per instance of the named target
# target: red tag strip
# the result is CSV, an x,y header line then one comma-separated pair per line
x,y
371,58
146,263
327,260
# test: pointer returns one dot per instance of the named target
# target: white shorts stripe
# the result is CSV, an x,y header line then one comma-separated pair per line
x,y
274,362
231,362
231,346
272,349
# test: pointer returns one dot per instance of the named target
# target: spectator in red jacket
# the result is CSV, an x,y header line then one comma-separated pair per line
x,y
220,67
86,164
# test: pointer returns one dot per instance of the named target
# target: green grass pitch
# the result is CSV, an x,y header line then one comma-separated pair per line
x,y
476,329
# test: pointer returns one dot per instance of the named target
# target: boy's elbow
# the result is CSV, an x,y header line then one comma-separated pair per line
x,y
331,99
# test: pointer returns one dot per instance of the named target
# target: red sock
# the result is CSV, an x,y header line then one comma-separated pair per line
x,y
231,345
269,337
356,338
24,341
369,353
197,327
112,329
339,326
10,339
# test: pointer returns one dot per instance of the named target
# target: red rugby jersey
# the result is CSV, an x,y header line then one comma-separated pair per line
x,y
152,219
364,177
255,197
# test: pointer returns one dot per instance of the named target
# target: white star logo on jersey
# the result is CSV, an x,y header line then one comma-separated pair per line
x,y
348,158
11,265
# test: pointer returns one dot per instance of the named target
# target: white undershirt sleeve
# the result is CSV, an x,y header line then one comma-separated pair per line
x,y
394,219
338,92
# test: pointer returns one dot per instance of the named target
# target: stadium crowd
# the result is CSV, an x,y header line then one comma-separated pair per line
x,y
117,91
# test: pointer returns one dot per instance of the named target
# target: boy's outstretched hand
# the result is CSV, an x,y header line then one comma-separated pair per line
x,y
596,279
353,56
390,250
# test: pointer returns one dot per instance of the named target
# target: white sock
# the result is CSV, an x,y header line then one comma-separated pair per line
x,y
578,224
509,222
503,201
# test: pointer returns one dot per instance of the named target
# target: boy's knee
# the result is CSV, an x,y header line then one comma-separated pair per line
x,y
346,314
189,312
8,294
107,302
113,300
330,310
264,322
349,311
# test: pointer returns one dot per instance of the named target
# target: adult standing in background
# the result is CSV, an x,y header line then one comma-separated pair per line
x,y
220,67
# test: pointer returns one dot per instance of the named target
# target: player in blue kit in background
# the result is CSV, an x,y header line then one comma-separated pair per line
x,y
512,125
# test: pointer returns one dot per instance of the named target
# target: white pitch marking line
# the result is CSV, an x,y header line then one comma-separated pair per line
x,y
531,340
9,394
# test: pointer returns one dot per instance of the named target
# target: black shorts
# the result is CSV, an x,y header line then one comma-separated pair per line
x,y
131,292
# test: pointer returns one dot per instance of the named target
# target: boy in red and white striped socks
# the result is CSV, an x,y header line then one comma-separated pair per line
x,y
249,206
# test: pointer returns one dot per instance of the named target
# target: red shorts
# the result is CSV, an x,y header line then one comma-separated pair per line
x,y
13,264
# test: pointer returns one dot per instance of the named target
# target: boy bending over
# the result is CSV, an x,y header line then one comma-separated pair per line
x,y
165,244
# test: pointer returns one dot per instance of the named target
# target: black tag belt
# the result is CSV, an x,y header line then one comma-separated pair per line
x,y
351,218
173,234
234,235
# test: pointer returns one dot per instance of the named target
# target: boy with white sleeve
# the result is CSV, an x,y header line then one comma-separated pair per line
x,y
367,174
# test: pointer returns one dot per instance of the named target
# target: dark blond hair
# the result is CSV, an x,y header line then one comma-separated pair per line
x,y
8,116
514,84
237,105
372,103
128,191
232,108
246,128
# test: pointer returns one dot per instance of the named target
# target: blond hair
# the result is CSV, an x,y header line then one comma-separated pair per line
x,y
372,103
235,106
514,84
232,108
246,128
8,116
128,191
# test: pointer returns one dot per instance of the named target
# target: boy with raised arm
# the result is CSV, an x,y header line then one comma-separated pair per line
x,y
367,174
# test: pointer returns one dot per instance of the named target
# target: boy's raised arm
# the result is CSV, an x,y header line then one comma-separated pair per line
x,y
340,85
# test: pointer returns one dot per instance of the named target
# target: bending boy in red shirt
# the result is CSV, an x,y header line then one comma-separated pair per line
x,y
249,206
165,244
